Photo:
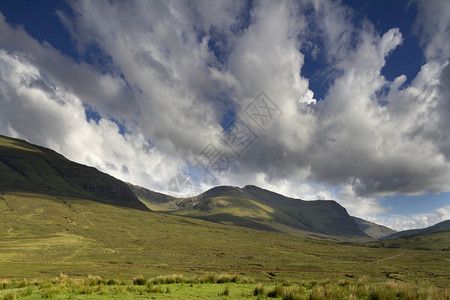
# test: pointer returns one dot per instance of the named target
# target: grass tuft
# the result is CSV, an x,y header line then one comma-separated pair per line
x,y
9,296
275,292
259,290
168,279
4,284
139,280
95,280
226,292
112,282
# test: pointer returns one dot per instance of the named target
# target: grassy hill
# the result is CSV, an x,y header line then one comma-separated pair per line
x,y
412,232
261,209
28,168
374,230
154,200
438,240
44,235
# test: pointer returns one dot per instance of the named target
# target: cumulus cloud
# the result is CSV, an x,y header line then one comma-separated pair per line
x,y
35,108
416,221
173,75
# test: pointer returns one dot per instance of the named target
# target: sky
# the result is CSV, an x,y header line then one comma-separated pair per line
x,y
314,99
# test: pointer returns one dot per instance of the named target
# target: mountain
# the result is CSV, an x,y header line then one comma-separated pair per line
x,y
33,169
154,200
26,168
372,229
261,209
414,232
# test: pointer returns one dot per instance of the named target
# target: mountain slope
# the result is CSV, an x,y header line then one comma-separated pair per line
x,y
45,235
154,200
438,240
258,208
405,233
29,168
372,229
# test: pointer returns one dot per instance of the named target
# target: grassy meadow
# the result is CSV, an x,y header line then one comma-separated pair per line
x,y
43,236
211,286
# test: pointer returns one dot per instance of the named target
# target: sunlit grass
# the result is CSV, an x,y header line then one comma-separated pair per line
x,y
214,286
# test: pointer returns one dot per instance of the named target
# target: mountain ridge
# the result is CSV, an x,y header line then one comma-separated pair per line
x,y
258,208
31,168
25,167
372,229
413,232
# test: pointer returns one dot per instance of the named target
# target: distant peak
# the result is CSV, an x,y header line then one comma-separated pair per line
x,y
250,186
218,190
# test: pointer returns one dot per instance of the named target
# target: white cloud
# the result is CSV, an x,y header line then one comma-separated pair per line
x,y
433,27
33,108
359,206
175,69
414,221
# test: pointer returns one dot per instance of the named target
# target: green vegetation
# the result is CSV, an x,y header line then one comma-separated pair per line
x,y
439,226
434,241
210,287
50,224
44,235
256,208
33,169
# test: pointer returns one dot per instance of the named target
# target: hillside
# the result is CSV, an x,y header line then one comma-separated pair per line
x,y
29,168
261,209
413,232
52,223
154,200
45,235
372,229
438,240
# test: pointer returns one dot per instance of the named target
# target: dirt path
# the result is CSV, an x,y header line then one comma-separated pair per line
x,y
390,257
87,219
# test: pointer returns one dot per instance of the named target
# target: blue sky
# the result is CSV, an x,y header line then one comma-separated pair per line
x,y
315,99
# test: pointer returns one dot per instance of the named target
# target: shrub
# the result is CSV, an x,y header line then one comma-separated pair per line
x,y
85,290
156,289
318,293
61,278
226,278
139,280
343,282
226,292
168,279
275,292
223,278
287,283
49,293
9,296
131,288
23,283
112,282
208,278
259,290
4,284
293,294
94,280
117,290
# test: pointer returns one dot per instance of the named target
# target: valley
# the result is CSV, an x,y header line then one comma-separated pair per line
x,y
65,228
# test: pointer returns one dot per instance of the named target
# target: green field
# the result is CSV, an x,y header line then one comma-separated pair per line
x,y
43,236
70,232
213,286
